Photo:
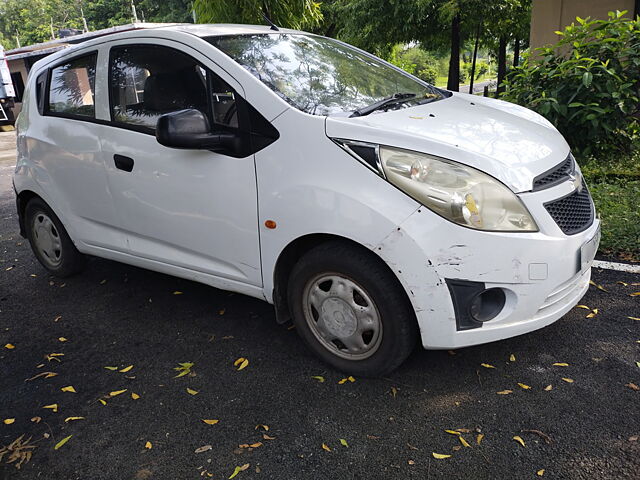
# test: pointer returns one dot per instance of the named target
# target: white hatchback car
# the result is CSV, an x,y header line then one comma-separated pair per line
x,y
369,207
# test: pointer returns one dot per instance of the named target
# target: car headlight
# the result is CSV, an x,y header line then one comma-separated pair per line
x,y
457,192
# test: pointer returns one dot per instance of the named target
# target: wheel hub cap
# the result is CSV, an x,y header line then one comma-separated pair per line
x,y
339,317
47,239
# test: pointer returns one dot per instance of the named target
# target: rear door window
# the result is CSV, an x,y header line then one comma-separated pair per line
x,y
72,88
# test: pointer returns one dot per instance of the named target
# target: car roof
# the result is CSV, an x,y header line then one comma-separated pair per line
x,y
221,29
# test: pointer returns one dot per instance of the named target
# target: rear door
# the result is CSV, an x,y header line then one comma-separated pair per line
x,y
192,209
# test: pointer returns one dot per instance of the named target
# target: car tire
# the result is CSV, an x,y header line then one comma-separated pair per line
x,y
351,310
50,241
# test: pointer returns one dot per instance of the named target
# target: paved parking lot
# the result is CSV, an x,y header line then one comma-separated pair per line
x,y
579,419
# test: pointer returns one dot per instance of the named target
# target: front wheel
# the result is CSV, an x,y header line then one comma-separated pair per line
x,y
351,310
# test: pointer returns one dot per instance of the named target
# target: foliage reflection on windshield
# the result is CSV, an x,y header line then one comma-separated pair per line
x,y
318,75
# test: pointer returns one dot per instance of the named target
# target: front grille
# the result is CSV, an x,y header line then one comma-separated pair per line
x,y
573,213
557,174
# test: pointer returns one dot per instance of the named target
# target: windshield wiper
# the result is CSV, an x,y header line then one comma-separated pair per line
x,y
395,98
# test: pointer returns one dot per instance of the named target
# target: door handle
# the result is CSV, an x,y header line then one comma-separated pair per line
x,y
123,163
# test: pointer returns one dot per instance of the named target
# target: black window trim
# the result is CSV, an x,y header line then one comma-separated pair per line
x,y
45,109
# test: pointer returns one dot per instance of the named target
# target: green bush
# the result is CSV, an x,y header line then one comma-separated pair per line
x,y
587,85
416,61
429,74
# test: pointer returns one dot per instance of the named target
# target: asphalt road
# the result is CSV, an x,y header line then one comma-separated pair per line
x,y
116,315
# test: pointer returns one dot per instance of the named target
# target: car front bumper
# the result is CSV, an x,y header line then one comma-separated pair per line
x,y
541,273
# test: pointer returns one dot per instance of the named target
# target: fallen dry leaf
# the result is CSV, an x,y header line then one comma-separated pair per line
x,y
203,448
210,421
479,438
544,436
394,392
191,391
36,419
70,419
126,369
111,368
117,392
487,365
9,346
267,437
633,386
599,287
238,470
540,472
177,292
568,380
262,427
43,374
634,294
548,388
634,318
19,451
523,386
452,432
103,402
463,441
148,445
184,369
560,364
62,442
512,358
519,440
593,313
62,339
8,421
440,456
318,378
135,396
411,462
53,407
325,447
504,392
343,442
69,389
583,306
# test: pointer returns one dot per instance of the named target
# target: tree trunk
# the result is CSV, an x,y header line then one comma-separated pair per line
x,y
453,82
516,53
475,58
502,65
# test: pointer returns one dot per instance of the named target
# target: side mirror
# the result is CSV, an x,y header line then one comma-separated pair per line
x,y
190,129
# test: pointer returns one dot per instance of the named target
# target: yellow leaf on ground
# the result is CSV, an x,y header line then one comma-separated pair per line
x,y
244,364
634,294
351,379
524,387
239,469
519,440
210,421
221,311
238,361
343,442
540,472
262,427
8,421
69,389
111,368
622,283
148,445
267,437
126,369
548,388
504,392
325,447
452,432
560,364
440,456
568,380
255,445
394,392
9,346
487,365
634,318
62,339
583,306
318,378
191,391
53,406
43,374
512,358
69,419
117,392
62,442
344,380
599,287
479,438
102,401
463,441
135,396
593,313
36,419
177,292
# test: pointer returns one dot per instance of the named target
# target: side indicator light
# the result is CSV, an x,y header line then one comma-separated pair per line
x,y
270,224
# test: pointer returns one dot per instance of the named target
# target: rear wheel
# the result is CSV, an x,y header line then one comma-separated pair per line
x,y
50,242
351,310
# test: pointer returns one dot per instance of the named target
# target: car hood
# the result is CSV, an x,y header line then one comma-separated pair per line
x,y
507,141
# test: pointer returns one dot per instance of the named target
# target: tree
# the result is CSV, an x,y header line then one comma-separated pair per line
x,y
285,13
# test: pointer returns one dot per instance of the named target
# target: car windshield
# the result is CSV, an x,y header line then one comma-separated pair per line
x,y
322,76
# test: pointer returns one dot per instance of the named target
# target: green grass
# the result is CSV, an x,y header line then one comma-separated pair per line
x,y
615,186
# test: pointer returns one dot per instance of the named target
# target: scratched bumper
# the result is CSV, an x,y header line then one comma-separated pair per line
x,y
539,273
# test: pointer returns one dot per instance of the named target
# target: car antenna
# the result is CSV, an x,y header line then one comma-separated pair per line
x,y
268,20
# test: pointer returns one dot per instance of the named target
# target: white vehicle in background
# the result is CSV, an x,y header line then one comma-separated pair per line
x,y
7,92
369,207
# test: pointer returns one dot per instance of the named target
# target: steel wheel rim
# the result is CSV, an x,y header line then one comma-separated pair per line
x,y
46,239
342,316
